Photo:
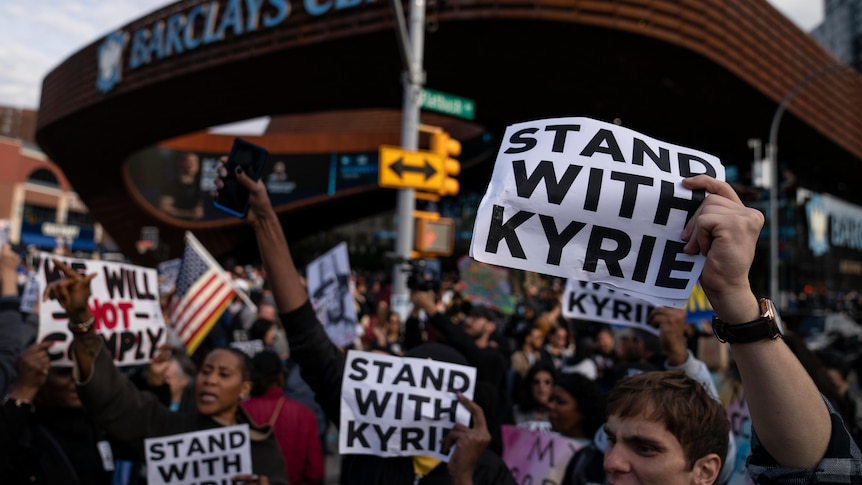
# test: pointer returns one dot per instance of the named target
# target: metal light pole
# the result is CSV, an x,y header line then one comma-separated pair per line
x,y
411,45
772,156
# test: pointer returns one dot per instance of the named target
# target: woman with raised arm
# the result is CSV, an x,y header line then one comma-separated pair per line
x,y
322,366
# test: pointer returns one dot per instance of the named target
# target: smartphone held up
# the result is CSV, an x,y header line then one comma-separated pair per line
x,y
233,198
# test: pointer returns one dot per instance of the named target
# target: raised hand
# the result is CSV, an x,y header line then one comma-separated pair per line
x,y
72,292
673,332
33,366
725,231
470,442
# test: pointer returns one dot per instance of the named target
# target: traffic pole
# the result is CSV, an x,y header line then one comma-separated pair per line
x,y
411,42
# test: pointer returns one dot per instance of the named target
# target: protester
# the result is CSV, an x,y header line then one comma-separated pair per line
x,y
558,348
178,375
293,423
531,410
45,434
388,336
529,353
322,365
577,407
263,329
842,372
472,337
798,437
131,415
11,321
630,354
603,356
299,390
521,321
586,465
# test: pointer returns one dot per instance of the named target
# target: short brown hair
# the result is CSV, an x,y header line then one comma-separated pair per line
x,y
697,420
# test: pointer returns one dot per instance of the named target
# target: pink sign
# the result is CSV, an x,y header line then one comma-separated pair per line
x,y
537,456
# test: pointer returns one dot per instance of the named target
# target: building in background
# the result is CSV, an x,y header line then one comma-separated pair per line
x,y
841,30
41,207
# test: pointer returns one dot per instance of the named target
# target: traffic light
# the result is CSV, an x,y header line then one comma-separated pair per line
x,y
435,236
446,147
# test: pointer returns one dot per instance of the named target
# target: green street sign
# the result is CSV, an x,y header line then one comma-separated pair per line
x,y
448,104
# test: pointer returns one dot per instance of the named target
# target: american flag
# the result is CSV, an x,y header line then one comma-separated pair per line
x,y
203,292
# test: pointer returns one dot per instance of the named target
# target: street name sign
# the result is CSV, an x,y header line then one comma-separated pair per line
x,y
448,104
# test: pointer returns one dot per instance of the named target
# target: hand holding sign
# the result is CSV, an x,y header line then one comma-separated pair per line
x,y
726,232
71,292
584,199
471,442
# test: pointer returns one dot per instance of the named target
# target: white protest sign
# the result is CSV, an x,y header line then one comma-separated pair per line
x,y
124,303
211,456
328,280
394,406
583,199
248,347
598,303
537,457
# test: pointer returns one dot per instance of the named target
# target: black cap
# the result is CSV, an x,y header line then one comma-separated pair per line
x,y
267,363
483,311
437,351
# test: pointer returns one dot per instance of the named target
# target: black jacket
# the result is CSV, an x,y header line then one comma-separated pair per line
x,y
50,446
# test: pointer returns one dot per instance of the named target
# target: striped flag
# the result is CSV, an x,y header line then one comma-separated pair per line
x,y
203,292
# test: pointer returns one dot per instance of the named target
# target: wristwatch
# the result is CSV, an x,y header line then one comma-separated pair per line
x,y
768,326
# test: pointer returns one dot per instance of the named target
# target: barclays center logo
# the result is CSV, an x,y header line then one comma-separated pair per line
x,y
110,58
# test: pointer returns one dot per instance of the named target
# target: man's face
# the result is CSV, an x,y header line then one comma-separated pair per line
x,y
59,389
605,342
536,338
559,338
475,326
267,311
627,348
642,451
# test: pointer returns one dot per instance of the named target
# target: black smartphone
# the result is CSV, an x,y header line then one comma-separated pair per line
x,y
233,197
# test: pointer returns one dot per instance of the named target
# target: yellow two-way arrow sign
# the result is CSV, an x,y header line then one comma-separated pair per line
x,y
400,168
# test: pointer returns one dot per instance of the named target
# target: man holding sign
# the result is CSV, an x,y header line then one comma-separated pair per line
x,y
589,200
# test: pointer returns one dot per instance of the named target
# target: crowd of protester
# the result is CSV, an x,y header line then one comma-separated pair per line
x,y
536,369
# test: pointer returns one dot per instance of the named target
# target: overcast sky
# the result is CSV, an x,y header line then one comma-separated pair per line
x,y
38,35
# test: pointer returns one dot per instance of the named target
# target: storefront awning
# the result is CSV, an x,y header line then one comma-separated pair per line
x,y
38,240
83,245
